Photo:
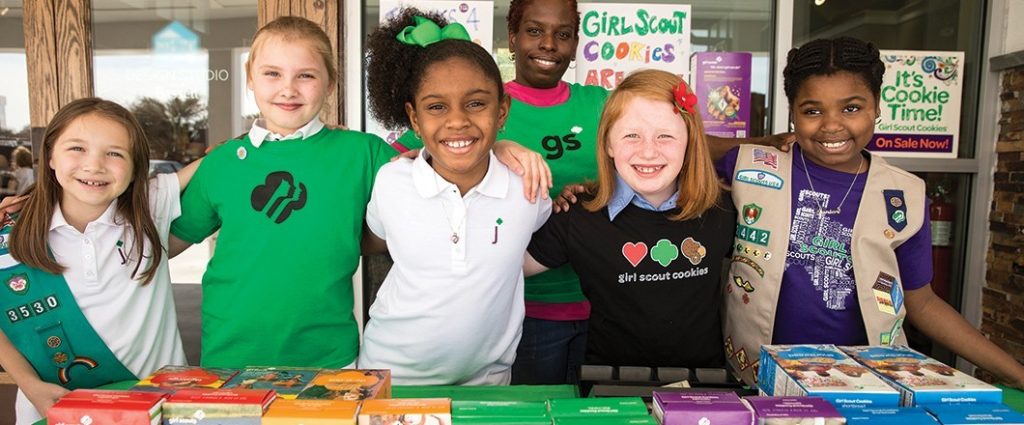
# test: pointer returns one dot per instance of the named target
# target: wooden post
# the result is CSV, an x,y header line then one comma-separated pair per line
x,y
58,52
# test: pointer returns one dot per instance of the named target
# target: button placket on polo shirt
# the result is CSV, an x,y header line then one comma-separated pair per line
x,y
89,257
457,217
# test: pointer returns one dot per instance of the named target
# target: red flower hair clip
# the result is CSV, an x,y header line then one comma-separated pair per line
x,y
684,99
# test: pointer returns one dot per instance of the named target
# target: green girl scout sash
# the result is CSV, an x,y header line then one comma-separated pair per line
x,y
43,321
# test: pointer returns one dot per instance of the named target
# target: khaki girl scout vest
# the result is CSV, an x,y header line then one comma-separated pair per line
x,y
891,211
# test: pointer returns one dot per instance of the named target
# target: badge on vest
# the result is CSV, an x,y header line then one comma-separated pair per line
x,y
888,293
769,159
755,251
759,178
749,262
888,338
18,283
751,213
753,235
896,209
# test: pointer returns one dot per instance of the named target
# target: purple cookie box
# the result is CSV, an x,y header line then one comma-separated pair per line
x,y
792,407
692,408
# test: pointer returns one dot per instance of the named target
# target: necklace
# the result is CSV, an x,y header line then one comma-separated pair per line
x,y
455,227
821,208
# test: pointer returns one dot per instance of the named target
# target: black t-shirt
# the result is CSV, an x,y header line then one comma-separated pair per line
x,y
654,284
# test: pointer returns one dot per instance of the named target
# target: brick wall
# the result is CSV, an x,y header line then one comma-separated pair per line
x,y
1003,294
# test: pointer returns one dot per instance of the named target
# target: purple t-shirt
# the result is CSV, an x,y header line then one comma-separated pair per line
x,y
818,298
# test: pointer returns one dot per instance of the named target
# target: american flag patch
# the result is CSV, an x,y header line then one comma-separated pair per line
x,y
767,158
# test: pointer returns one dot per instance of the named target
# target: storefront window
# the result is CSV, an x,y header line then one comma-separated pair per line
x,y
940,25
14,106
719,26
178,66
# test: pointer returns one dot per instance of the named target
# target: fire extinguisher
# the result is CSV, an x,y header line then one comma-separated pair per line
x,y
942,213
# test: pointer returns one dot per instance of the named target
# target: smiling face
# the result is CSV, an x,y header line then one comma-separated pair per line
x,y
290,83
648,146
834,119
92,162
457,114
545,43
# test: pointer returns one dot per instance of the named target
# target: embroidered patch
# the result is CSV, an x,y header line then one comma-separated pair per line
x,y
745,284
693,250
18,283
3,242
769,159
759,178
634,252
889,338
664,252
728,346
896,209
751,213
888,293
753,234
749,262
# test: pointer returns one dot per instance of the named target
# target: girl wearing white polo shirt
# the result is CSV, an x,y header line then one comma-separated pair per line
x,y
87,297
451,309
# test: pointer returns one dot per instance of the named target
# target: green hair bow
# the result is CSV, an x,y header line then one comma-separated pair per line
x,y
427,32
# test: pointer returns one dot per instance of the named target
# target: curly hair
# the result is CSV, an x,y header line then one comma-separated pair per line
x,y
518,7
395,70
829,56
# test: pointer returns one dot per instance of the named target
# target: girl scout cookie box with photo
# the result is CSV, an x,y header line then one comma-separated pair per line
x,y
402,411
349,384
85,407
287,383
821,370
701,408
311,412
976,414
794,411
888,416
173,378
195,406
922,380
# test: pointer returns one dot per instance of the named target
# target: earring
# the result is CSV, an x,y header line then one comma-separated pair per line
x,y
878,120
512,56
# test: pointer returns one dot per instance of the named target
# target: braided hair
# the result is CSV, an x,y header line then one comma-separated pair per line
x,y
395,70
829,56
517,8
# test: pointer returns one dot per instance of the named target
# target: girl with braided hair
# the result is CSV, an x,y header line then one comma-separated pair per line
x,y
832,242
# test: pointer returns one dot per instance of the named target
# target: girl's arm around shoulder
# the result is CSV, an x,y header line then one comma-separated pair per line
x,y
531,266
42,394
529,165
185,174
940,322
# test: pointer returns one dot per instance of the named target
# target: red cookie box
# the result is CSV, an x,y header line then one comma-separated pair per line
x,y
200,406
85,407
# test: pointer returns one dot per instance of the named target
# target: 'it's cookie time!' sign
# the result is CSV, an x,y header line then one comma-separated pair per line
x,y
920,104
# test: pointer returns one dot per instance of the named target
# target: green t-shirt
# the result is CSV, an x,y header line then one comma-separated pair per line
x,y
566,134
278,289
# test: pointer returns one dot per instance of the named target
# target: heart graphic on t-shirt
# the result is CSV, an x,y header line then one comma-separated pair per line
x,y
634,252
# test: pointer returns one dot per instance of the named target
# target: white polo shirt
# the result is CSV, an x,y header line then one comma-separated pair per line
x,y
138,323
449,312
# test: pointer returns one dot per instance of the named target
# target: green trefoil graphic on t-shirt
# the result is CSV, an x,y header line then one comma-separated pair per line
x,y
664,252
